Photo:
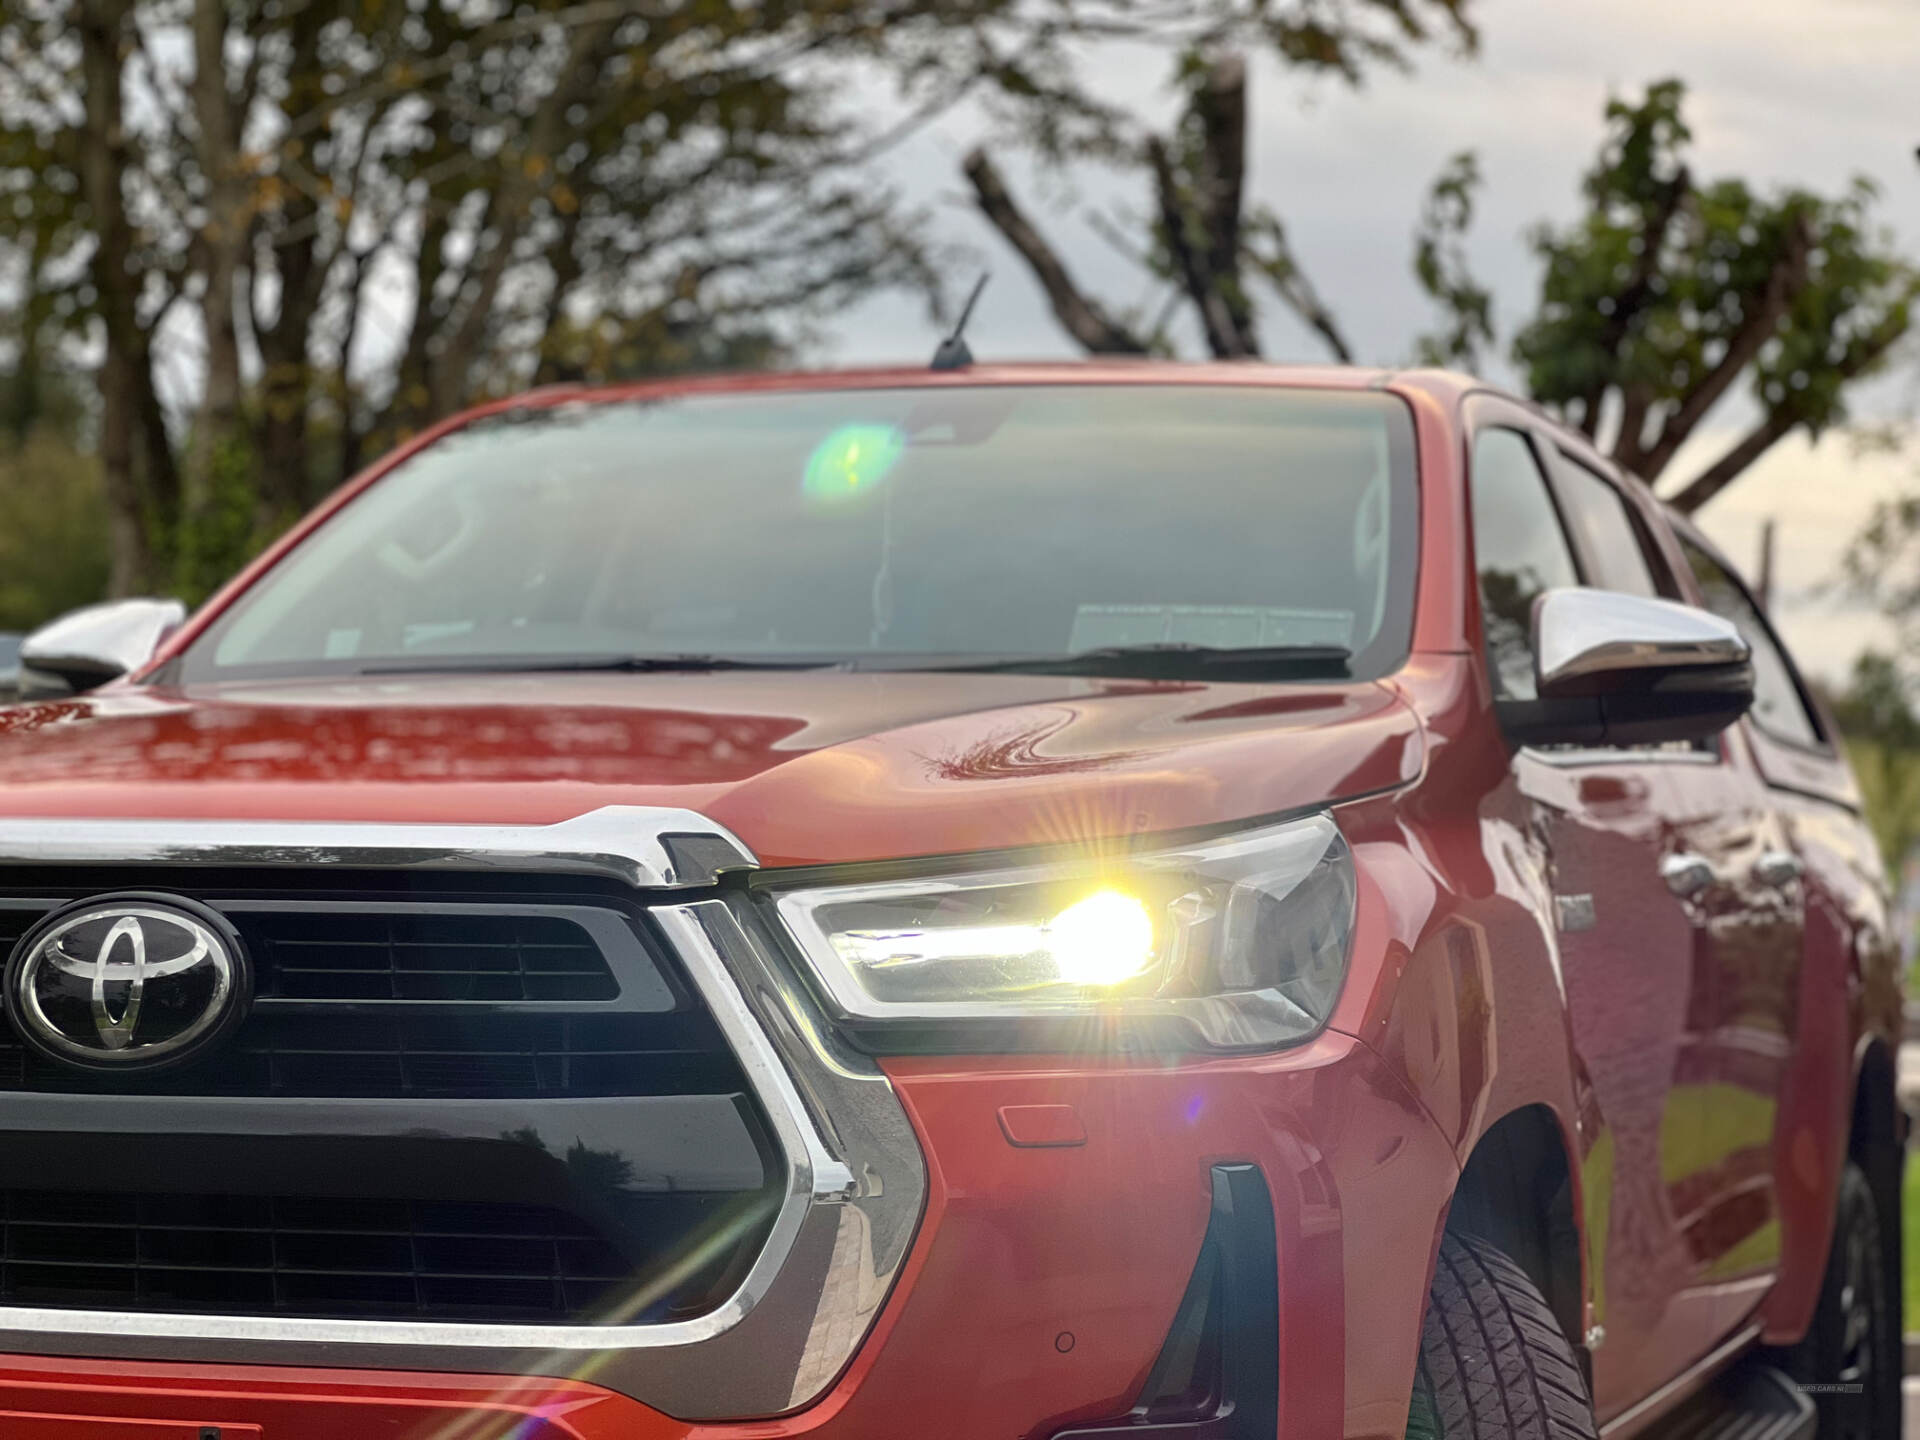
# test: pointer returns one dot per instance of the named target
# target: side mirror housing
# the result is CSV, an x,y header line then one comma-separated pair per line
x,y
98,643
1613,669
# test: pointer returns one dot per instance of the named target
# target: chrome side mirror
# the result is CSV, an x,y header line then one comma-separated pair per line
x,y
1613,669
90,646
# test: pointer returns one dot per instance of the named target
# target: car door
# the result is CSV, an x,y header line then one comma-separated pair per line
x,y
1727,862
1758,978
1627,945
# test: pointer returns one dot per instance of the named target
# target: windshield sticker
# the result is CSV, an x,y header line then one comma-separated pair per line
x,y
1226,627
852,460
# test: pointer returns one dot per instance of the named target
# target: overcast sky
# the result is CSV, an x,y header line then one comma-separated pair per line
x,y
1803,92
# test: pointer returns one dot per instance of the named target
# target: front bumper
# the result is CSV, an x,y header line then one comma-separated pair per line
x,y
1037,1293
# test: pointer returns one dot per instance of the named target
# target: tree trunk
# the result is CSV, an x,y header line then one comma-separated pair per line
x,y
287,482
564,260
286,382
521,180
1205,289
411,399
103,158
222,242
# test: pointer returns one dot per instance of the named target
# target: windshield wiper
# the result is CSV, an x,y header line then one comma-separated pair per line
x,y
1176,659
602,664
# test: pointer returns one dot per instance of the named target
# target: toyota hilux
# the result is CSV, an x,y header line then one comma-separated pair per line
x,y
1013,903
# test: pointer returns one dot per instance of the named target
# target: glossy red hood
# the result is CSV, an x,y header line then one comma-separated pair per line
x,y
804,767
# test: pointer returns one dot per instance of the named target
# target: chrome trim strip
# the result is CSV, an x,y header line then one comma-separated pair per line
x,y
1573,756
617,842
855,1182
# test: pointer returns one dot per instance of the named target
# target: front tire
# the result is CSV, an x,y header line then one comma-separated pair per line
x,y
1493,1363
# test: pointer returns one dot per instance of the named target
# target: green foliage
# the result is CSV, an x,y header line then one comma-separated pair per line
x,y
1883,565
226,528
1910,1245
690,174
1882,733
1666,292
1440,265
53,551
1573,348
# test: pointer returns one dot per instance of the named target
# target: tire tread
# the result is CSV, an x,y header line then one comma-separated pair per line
x,y
1493,1363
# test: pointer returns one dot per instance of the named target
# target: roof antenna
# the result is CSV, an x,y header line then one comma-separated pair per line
x,y
953,353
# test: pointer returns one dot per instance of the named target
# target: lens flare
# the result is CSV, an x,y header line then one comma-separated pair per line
x,y
852,460
1102,940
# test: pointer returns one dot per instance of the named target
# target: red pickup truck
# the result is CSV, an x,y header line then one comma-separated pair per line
x,y
1008,904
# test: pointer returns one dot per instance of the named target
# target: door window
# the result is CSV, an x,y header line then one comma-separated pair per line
x,y
1520,550
1778,706
1597,513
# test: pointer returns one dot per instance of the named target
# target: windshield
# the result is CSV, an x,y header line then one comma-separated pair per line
x,y
871,528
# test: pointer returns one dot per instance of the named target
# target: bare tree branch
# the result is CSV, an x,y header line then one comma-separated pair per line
x,y
1083,319
1717,476
1290,282
1871,350
1217,321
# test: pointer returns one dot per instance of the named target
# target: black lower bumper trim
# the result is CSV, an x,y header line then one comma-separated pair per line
x,y
1218,1374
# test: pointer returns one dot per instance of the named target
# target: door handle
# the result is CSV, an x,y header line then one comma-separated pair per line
x,y
1687,874
1778,868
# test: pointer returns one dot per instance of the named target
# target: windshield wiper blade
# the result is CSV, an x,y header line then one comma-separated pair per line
x,y
1175,659
598,664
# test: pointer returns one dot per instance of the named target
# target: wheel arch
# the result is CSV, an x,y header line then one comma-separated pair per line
x,y
1876,1134
1517,1191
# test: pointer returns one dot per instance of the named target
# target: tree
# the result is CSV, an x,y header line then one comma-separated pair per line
x,y
1655,304
1668,293
1202,242
53,553
1440,265
234,189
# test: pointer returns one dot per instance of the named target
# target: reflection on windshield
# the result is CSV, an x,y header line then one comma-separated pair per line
x,y
832,525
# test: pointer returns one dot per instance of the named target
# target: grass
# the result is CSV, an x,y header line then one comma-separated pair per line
x,y
1706,1125
1910,1245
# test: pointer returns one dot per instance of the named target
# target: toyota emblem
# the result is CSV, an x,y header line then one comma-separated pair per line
x,y
127,982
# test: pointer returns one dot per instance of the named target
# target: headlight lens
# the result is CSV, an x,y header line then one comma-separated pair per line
x,y
1231,944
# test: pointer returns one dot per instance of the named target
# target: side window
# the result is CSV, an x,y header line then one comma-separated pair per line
x,y
1519,549
1597,513
1778,707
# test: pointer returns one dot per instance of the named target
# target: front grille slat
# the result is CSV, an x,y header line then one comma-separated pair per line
x,y
284,1056
333,955
424,1256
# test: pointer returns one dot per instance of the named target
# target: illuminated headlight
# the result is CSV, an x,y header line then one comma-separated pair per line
x,y
1232,943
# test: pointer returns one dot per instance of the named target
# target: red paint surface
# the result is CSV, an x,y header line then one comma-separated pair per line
x,y
1464,1003
805,768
